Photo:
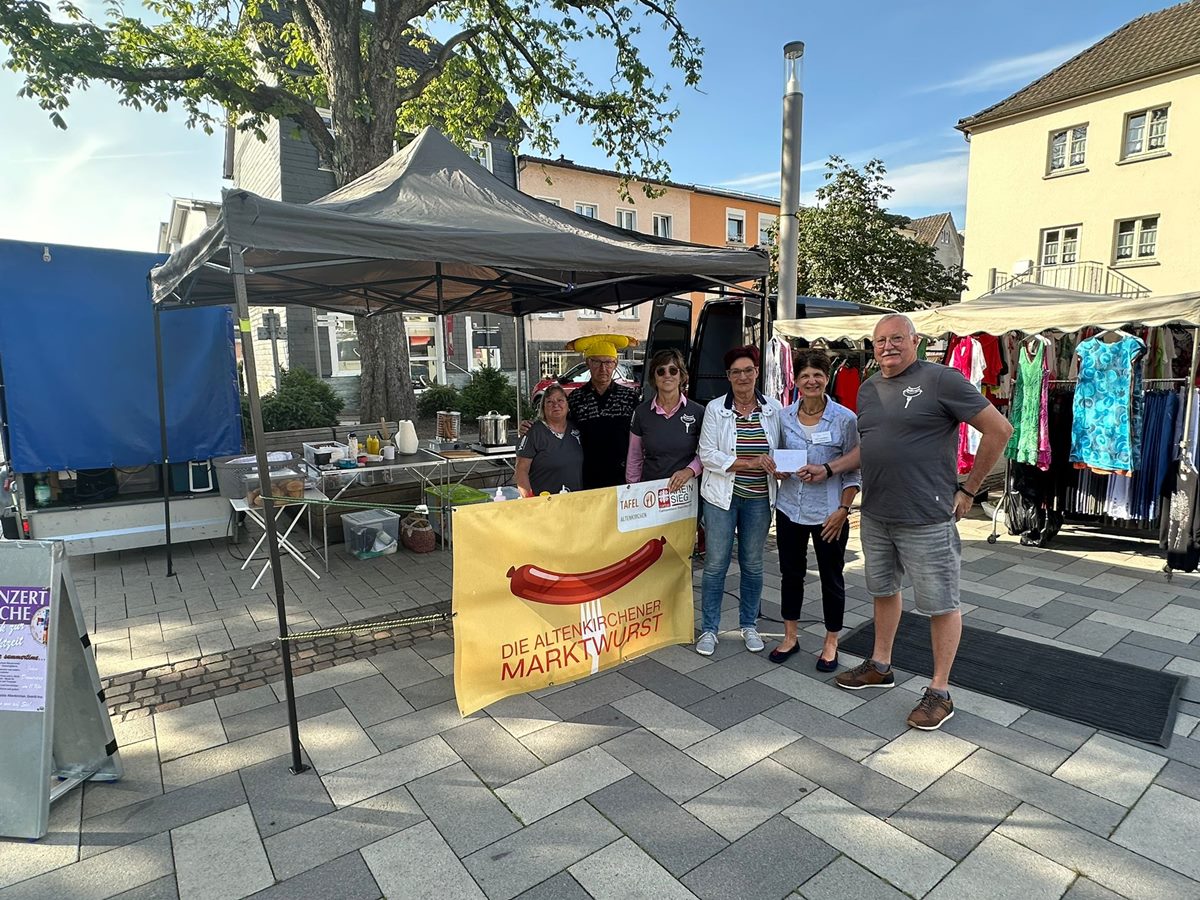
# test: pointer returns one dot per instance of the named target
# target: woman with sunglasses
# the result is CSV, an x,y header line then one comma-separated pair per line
x,y
665,430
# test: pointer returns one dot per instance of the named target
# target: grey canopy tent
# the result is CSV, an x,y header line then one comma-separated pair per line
x,y
429,230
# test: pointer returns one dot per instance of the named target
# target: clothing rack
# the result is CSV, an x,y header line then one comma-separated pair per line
x,y
1145,381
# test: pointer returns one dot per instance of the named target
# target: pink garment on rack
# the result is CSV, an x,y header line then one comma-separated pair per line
x,y
1043,454
967,356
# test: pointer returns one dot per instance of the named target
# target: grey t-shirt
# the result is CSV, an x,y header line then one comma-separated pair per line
x,y
668,444
909,429
557,462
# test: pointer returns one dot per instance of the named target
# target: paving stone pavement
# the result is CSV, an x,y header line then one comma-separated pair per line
x,y
669,776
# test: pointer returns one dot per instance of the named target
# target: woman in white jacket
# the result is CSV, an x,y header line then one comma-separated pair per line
x,y
740,431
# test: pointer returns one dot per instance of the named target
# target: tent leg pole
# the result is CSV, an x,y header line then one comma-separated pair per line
x,y
1185,442
238,267
165,468
517,323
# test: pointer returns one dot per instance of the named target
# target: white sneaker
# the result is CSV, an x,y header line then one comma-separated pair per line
x,y
754,643
707,644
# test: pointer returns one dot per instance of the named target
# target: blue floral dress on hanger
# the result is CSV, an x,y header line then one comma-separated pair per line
x,y
1107,424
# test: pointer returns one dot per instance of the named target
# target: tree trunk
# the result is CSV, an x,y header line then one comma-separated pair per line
x,y
385,388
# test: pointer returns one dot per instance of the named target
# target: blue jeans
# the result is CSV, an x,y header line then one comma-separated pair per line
x,y
751,520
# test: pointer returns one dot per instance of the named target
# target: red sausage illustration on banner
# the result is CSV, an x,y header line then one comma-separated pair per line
x,y
530,582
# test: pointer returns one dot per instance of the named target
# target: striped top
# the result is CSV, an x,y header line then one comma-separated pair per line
x,y
751,442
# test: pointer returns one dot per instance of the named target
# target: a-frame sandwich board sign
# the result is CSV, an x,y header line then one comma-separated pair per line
x,y
54,727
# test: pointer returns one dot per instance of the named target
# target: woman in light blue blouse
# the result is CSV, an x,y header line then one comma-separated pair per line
x,y
826,430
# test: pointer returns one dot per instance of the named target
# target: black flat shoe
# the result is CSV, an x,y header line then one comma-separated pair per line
x,y
827,665
776,656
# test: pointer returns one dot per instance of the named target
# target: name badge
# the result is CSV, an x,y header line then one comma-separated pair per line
x,y
822,437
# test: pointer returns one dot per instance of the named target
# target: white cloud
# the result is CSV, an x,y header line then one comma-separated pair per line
x,y
940,183
1010,71
765,180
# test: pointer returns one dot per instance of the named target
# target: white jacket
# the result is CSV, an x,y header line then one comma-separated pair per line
x,y
718,447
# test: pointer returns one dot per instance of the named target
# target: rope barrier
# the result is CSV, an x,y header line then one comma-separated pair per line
x,y
366,626
353,504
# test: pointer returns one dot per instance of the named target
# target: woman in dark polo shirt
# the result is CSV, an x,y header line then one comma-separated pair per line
x,y
550,456
665,430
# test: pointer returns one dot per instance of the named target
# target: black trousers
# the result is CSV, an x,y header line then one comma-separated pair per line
x,y
793,566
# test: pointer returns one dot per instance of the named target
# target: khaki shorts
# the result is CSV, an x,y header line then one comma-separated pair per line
x,y
931,556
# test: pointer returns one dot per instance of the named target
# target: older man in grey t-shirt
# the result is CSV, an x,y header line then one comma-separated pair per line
x,y
908,421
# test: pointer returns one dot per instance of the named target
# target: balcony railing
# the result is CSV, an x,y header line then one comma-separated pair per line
x,y
1089,277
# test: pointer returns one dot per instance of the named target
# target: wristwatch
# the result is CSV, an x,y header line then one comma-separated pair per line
x,y
846,508
964,490
828,470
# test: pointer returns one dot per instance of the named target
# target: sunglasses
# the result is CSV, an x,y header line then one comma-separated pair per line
x,y
667,370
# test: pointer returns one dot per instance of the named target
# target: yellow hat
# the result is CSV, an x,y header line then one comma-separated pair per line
x,y
600,348
602,344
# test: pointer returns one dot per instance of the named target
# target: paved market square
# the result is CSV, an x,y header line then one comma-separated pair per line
x,y
669,776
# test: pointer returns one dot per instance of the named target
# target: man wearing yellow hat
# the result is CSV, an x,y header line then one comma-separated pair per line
x,y
601,410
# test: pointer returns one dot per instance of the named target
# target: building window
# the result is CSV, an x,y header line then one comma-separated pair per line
x,y
326,117
1137,239
735,226
590,314
632,314
550,315
944,237
553,201
627,219
343,345
586,209
765,223
552,363
662,226
481,152
1068,148
1060,246
1146,131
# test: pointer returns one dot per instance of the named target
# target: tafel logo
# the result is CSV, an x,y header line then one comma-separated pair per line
x,y
530,582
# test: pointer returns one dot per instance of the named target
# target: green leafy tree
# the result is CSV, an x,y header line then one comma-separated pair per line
x,y
852,248
509,66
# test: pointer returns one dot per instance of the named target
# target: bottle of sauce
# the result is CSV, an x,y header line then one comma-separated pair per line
x,y
372,445
41,490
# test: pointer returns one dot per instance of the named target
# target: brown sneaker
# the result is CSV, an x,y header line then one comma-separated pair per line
x,y
931,712
865,675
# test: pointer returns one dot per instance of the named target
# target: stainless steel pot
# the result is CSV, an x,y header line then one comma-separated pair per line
x,y
493,429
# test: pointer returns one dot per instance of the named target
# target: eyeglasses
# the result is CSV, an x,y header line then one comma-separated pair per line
x,y
667,370
740,373
601,362
893,341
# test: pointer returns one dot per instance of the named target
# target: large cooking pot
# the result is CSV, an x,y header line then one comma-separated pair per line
x,y
493,429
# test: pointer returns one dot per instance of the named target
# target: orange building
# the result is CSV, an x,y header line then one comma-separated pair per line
x,y
722,218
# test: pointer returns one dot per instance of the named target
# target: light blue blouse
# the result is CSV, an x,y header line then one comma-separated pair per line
x,y
835,435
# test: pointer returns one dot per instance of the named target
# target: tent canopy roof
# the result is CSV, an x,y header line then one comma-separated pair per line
x,y
1029,308
431,230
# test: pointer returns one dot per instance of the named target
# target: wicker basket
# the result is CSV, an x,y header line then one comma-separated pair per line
x,y
417,534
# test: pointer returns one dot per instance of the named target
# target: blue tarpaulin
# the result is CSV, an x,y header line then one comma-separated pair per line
x,y
77,354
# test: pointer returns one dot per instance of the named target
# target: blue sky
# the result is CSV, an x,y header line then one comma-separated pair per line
x,y
881,79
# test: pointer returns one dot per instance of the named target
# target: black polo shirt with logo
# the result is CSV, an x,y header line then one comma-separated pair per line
x,y
668,443
603,423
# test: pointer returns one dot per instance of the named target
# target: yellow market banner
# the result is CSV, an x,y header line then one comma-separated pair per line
x,y
551,589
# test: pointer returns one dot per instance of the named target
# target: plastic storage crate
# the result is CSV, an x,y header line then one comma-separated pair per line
x,y
454,495
371,532
237,475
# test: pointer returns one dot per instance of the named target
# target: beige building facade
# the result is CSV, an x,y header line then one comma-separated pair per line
x,y
1083,180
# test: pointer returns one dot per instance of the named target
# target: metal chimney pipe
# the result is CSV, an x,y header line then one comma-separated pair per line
x,y
789,189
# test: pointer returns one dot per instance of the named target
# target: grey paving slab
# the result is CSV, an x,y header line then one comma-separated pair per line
x,y
141,780
999,869
21,860
1023,748
666,681
1162,827
737,806
521,715
1043,791
590,693
1064,615
834,733
680,657
844,879
329,678
540,851
587,729
738,703
671,771
1117,771
954,814
137,821
265,718
878,794
220,857
742,745
348,876
132,731
1086,889
101,876
821,694
244,701
1093,635
1169,632
418,864
1110,865
281,800
676,839
388,770
467,815
561,887
662,717
885,713
549,790
1180,778
162,889
770,861
888,852
980,705
492,753
342,831
429,693
373,700
918,759
734,670
335,740
206,764
418,725
188,729
1053,730
623,870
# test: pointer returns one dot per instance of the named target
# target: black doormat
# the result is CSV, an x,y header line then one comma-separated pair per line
x,y
1106,694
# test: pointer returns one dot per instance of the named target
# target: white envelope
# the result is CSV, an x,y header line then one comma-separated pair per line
x,y
790,460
